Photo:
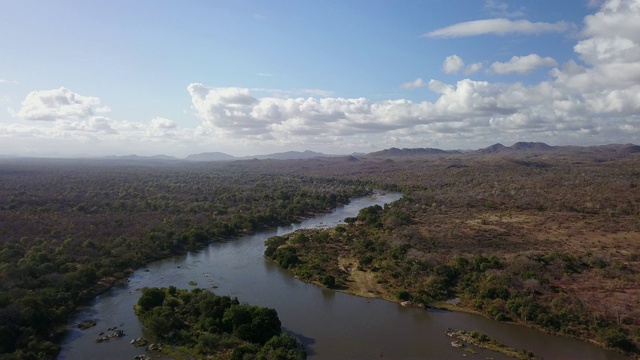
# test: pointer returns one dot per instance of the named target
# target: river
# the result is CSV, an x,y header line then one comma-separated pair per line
x,y
331,325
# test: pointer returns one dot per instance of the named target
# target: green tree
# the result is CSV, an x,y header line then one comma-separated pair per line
x,y
282,347
151,297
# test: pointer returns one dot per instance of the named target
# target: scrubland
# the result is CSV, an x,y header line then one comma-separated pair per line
x,y
546,238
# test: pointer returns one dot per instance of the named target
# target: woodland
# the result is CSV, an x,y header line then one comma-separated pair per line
x,y
70,229
215,327
542,237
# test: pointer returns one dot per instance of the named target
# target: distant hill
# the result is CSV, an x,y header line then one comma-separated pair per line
x,y
630,149
289,155
210,156
395,152
601,152
531,146
519,146
495,148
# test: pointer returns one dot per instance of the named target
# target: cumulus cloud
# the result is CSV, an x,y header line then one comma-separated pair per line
x,y
74,119
162,123
452,64
611,51
97,124
62,103
473,68
612,33
522,64
499,26
415,84
275,118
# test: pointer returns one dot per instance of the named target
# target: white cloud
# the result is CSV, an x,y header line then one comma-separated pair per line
x,y
473,68
264,74
522,64
452,64
498,26
611,51
72,121
415,84
613,35
96,124
62,103
162,123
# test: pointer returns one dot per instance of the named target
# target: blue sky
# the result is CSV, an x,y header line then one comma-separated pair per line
x,y
252,77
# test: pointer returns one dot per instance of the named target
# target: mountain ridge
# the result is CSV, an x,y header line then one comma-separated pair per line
x,y
520,147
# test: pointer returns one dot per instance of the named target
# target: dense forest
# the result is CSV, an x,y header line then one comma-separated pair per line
x,y
543,238
70,229
202,325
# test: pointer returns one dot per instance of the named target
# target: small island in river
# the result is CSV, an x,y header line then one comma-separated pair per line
x,y
199,324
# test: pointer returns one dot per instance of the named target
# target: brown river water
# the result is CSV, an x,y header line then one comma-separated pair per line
x,y
331,325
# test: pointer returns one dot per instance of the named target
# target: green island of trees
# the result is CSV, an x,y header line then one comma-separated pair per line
x,y
199,324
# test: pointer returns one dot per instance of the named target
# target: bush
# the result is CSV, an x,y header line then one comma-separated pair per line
x,y
328,281
615,337
403,295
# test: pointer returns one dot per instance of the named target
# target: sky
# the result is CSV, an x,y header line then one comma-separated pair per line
x,y
248,77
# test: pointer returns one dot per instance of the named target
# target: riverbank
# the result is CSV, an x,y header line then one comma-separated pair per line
x,y
370,259
364,284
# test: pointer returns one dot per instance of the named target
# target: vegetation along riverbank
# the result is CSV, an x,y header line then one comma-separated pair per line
x,y
544,239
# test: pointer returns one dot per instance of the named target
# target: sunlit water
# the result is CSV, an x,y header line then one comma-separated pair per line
x,y
332,325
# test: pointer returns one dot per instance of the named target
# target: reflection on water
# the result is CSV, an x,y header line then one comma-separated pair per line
x,y
330,324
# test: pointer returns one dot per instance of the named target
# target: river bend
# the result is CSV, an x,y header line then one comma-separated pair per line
x,y
332,325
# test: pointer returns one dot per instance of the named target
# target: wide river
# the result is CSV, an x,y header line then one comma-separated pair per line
x,y
332,325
